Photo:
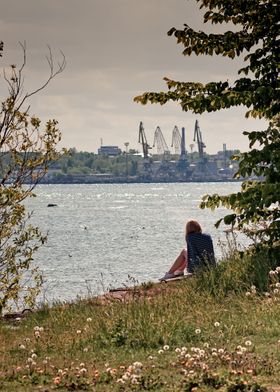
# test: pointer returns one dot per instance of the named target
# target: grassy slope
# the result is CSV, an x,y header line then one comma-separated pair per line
x,y
207,334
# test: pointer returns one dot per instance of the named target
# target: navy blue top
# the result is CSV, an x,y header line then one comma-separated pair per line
x,y
200,251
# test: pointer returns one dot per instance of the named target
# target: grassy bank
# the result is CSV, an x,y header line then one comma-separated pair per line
x,y
216,331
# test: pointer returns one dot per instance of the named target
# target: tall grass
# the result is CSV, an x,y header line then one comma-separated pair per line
x,y
210,310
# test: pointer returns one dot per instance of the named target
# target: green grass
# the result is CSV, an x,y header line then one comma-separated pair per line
x,y
212,332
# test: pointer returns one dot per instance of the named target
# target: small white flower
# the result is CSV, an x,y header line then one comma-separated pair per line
x,y
198,331
45,362
89,319
275,291
216,324
177,350
29,360
82,364
214,354
138,365
248,343
41,329
277,269
79,332
37,328
248,293
221,351
37,334
253,288
120,381
27,340
160,351
150,357
126,376
166,347
83,370
277,284
22,346
34,356
206,345
271,273
85,350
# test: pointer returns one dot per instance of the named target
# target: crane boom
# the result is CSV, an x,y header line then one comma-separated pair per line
x,y
197,137
143,140
176,140
160,142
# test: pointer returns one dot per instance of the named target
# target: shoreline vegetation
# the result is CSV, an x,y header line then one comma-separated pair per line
x,y
217,331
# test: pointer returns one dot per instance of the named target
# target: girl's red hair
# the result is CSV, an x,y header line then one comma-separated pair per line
x,y
193,227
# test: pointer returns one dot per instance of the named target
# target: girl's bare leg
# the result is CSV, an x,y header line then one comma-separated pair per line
x,y
180,263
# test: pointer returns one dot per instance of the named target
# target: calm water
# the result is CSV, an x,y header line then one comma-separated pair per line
x,y
99,235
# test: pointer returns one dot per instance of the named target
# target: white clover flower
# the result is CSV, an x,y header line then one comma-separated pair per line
x,y
188,356
177,350
126,376
206,345
34,356
29,360
248,293
37,334
89,319
214,349
37,328
197,331
138,365
253,288
271,273
22,346
184,348
277,269
214,354
243,349
275,291
83,370
82,364
85,350
27,340
239,347
216,324
120,381
78,331
41,329
134,380
160,351
60,371
267,294
166,347
106,364
248,343
150,357
45,362
277,284
221,351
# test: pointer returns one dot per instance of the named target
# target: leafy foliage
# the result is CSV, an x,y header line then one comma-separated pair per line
x,y
26,150
257,203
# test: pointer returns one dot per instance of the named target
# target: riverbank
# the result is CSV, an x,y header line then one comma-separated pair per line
x,y
217,331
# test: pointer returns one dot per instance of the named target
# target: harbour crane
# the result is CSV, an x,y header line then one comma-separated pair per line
x,y
197,137
176,140
143,140
160,144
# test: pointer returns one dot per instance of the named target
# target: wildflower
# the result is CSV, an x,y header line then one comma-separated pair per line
x,y
85,350
37,334
166,347
134,380
150,357
184,349
89,319
187,356
198,331
177,350
82,364
271,273
106,364
41,329
248,343
248,293
243,349
29,360
278,341
34,356
277,284
120,381
45,362
214,354
78,332
83,370
27,340
216,324
126,376
37,328
253,288
221,351
275,291
22,346
160,351
18,369
138,365
56,380
277,269
206,345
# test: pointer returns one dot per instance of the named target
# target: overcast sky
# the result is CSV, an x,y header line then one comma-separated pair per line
x,y
115,50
